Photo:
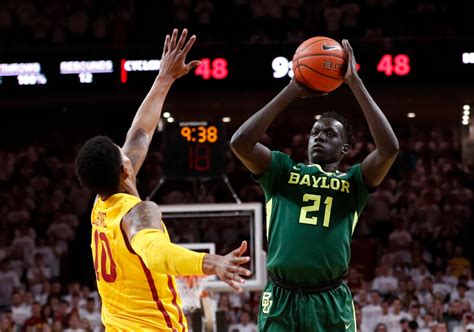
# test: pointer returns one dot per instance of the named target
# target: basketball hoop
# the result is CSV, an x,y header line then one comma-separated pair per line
x,y
191,289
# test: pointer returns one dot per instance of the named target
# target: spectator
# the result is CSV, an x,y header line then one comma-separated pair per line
x,y
9,281
91,314
37,274
458,263
381,327
245,325
372,313
384,282
415,315
425,292
21,310
454,315
393,320
36,321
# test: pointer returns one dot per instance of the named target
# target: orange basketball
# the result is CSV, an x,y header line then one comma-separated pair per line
x,y
320,64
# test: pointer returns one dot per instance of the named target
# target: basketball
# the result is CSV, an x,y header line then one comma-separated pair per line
x,y
320,64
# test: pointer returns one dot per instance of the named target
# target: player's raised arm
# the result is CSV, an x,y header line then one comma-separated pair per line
x,y
254,155
144,230
377,164
172,66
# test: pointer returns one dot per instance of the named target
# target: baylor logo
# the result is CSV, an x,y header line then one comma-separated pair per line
x,y
266,302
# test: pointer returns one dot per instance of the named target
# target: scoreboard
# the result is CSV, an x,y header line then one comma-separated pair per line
x,y
228,67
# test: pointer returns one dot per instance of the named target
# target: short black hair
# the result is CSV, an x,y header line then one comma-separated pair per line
x,y
348,130
98,165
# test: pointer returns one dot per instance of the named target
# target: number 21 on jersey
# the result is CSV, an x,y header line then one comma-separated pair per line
x,y
316,200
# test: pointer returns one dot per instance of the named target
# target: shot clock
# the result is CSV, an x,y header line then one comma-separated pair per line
x,y
194,149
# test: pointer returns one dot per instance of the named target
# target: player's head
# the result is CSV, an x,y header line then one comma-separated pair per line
x,y
330,139
101,166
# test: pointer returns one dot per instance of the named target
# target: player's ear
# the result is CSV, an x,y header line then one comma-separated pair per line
x,y
125,170
345,149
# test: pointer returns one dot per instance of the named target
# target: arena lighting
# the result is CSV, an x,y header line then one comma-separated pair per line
x,y
226,119
170,119
465,123
465,117
466,107
468,57
166,115
466,112
411,115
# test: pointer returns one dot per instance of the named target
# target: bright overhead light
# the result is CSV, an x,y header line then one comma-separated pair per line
x,y
170,119
466,107
226,119
411,115
465,117
465,123
166,115
466,112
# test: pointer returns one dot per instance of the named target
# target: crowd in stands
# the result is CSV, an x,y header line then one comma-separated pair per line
x,y
124,23
420,218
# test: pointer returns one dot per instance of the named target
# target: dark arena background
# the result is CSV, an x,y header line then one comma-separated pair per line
x,y
70,70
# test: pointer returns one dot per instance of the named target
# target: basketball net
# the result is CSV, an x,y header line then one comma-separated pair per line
x,y
191,289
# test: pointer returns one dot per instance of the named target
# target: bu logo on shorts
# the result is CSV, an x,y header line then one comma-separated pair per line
x,y
266,302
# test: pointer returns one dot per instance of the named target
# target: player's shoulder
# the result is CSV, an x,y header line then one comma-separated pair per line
x,y
143,215
144,210
282,157
353,170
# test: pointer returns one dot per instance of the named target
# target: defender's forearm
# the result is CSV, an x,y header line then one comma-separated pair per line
x,y
149,113
162,256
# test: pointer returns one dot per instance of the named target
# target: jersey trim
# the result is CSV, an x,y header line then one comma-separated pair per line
x,y
323,171
175,303
125,239
154,294
354,221
170,282
354,315
268,210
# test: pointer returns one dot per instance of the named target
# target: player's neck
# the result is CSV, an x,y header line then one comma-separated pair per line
x,y
330,167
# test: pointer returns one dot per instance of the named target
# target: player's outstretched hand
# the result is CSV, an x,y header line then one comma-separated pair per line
x,y
228,268
351,72
174,55
303,92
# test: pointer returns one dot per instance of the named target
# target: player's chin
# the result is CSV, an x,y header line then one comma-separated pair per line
x,y
317,157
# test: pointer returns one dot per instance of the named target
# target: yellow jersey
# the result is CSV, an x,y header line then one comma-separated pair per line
x,y
133,297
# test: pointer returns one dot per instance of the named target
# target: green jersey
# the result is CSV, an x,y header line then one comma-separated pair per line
x,y
311,215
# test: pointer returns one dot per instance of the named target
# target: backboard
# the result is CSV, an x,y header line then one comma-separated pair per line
x,y
220,228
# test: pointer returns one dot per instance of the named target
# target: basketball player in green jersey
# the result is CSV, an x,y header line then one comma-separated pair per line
x,y
312,210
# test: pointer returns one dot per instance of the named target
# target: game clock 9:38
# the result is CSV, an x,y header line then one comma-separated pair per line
x,y
194,149
200,134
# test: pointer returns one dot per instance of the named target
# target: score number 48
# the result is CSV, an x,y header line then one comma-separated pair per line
x,y
216,69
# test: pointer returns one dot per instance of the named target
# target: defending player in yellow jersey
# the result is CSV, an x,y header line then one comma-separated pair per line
x,y
134,259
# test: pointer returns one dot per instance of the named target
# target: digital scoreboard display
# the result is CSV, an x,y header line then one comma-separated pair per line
x,y
226,67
